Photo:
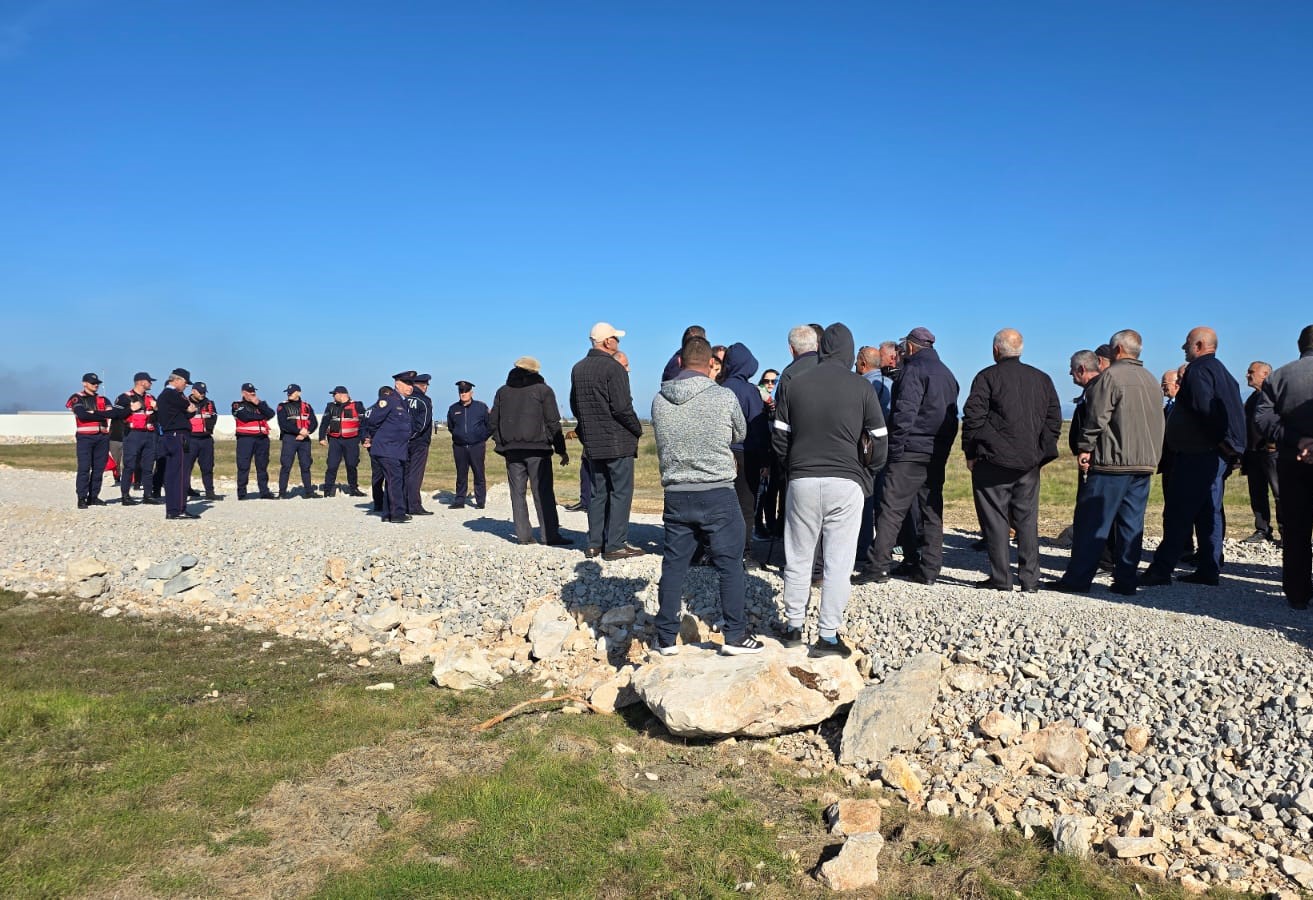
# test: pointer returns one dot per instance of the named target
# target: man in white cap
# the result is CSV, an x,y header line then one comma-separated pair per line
x,y
609,430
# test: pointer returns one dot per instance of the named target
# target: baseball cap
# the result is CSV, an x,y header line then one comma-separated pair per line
x,y
603,330
181,373
143,376
291,388
200,387
91,378
339,390
247,386
921,335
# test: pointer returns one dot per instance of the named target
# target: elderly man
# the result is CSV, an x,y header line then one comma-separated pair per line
x,y
388,428
609,430
1206,437
695,421
1118,446
1260,463
922,428
174,412
525,424
467,423
1010,427
1285,417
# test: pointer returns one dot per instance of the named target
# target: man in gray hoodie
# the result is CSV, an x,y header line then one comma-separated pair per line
x,y
695,420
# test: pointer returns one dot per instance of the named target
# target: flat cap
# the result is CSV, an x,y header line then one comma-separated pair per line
x,y
422,379
181,373
200,388
921,336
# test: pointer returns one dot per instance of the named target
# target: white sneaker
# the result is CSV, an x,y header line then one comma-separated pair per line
x,y
671,650
741,648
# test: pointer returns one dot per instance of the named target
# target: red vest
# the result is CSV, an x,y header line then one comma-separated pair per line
x,y
203,412
90,427
303,420
350,424
259,426
140,420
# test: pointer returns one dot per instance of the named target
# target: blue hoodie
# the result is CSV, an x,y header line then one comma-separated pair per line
x,y
740,369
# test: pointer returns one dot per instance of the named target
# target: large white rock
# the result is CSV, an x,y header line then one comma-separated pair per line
x,y
387,618
893,714
551,625
87,567
463,666
701,694
857,865
90,588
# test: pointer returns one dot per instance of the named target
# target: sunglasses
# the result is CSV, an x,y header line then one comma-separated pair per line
x,y
768,381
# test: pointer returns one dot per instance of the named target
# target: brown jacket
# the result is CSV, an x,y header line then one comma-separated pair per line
x,y
1123,428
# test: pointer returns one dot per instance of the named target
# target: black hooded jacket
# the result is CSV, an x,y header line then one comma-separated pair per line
x,y
525,416
820,419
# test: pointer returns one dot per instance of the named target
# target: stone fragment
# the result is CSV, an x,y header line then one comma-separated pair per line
x,y
1298,870
850,817
1072,835
335,569
1133,847
701,694
163,571
999,726
1304,801
387,618
616,692
550,627
86,567
90,588
463,666
619,616
893,714
183,581
1136,737
897,773
967,678
1061,747
857,865
381,686
110,612
360,644
1013,759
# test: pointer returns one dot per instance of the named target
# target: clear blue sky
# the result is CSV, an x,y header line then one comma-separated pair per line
x,y
328,192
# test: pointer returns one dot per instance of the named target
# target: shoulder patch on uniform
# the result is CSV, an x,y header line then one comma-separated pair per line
x,y
382,403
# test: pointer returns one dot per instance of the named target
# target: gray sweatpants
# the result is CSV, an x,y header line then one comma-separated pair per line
x,y
816,507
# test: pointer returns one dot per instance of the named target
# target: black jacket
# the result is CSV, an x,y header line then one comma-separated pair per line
x,y
288,413
525,416
1012,416
331,421
421,414
1208,415
923,412
171,411
822,415
600,400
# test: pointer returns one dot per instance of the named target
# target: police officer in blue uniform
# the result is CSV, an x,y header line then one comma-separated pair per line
x,y
92,414
200,446
139,439
252,415
296,422
173,416
421,438
388,429
467,420
340,430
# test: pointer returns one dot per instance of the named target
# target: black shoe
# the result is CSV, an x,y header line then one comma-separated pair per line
x,y
789,637
128,501
457,504
559,541
574,507
1031,589
330,490
1150,578
1126,590
870,576
401,520
181,515
268,495
211,495
355,492
1064,587
750,564
990,584
626,551
82,504
1191,558
193,495
1258,537
311,495
152,501
478,505
921,578
905,569
1197,577
741,647
420,512
96,501
836,647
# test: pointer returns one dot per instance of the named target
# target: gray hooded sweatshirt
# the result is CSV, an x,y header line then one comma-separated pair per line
x,y
695,420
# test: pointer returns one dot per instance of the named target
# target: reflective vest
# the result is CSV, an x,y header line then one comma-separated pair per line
x,y
349,426
90,427
303,419
140,420
259,426
198,418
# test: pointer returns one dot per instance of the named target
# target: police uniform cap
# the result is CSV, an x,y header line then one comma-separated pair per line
x,y
464,386
339,390
142,376
200,388
91,378
422,379
407,376
291,388
248,387
181,373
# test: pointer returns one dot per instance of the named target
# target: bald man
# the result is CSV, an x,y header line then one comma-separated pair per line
x,y
1206,436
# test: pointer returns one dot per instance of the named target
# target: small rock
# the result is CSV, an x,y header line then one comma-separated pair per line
x,y
897,773
87,567
998,726
462,667
1072,834
1136,737
849,817
381,686
1299,870
90,588
856,866
110,612
891,715
1133,847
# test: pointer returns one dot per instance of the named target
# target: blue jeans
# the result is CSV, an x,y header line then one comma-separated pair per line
x,y
1108,503
1193,504
717,516
608,507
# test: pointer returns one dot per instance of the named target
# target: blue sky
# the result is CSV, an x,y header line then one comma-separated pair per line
x,y
328,192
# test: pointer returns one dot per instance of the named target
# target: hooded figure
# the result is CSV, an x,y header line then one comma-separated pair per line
x,y
740,368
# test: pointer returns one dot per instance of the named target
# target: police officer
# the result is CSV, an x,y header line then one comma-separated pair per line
x,y
467,420
421,438
252,417
174,419
388,428
376,481
138,439
200,446
92,414
296,420
340,430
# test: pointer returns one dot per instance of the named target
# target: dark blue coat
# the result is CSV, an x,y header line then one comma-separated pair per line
x,y
923,411
1207,414
740,367
388,426
468,424
421,416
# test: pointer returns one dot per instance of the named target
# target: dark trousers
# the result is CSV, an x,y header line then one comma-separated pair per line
x,y
608,508
1261,471
343,451
1108,503
252,448
1008,498
394,486
138,460
93,450
201,449
417,464
470,458
585,482
770,511
714,518
904,479
870,509
292,449
1296,480
532,469
747,466
1193,503
377,484
174,446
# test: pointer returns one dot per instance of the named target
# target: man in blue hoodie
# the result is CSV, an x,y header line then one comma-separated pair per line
x,y
751,454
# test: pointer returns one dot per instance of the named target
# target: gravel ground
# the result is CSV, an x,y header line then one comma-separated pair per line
x,y
1218,677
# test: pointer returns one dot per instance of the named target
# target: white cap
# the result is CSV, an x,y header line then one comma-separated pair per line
x,y
603,330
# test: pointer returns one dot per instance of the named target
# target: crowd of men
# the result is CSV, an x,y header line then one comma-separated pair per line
x,y
842,454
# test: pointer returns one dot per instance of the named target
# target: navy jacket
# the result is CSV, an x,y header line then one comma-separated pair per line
x,y
171,411
740,367
421,414
923,412
1207,415
388,426
468,424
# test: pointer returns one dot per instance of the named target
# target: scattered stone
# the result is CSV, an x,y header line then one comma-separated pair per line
x,y
622,749
335,569
86,567
110,612
1062,748
90,588
1298,870
849,817
897,773
1133,847
968,678
1072,835
387,618
381,686
464,666
891,715
550,626
1136,738
857,865
998,726
182,582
